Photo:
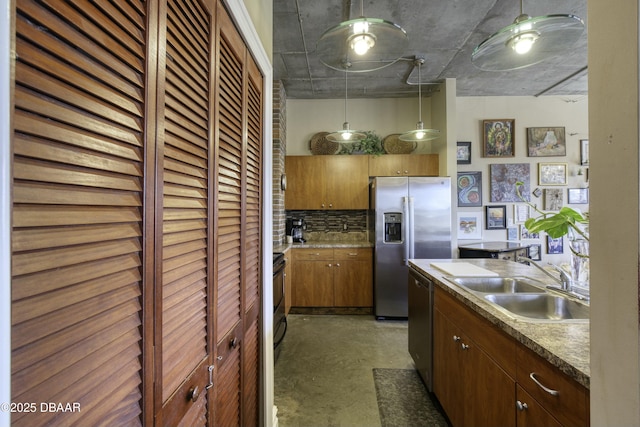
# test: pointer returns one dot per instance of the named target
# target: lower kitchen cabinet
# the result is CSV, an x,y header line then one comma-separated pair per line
x,y
332,277
483,377
471,387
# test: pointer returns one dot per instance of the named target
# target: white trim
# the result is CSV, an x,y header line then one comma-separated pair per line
x,y
5,211
244,24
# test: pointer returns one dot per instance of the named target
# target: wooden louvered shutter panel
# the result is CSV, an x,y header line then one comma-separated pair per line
x,y
77,210
229,172
253,245
185,213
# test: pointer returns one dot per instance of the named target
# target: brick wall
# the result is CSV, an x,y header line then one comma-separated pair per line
x,y
279,152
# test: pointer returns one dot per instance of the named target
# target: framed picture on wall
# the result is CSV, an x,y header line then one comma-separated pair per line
x,y
503,178
512,232
554,246
499,138
584,152
578,195
496,217
553,199
469,189
463,153
552,174
546,142
535,252
469,225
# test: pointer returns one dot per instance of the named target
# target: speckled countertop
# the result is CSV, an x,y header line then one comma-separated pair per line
x,y
564,345
317,240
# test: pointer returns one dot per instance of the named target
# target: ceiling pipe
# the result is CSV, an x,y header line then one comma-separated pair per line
x,y
581,70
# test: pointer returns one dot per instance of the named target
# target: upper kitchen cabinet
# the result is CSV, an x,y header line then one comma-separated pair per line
x,y
327,182
404,165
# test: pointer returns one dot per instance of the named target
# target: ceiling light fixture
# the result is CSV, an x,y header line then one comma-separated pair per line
x,y
368,44
346,135
420,133
527,41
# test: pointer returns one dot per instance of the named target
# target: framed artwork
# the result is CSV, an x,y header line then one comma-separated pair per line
x,y
535,252
546,142
578,196
496,217
512,233
463,154
552,174
520,213
554,246
469,189
553,199
537,192
584,152
503,178
499,138
526,235
469,225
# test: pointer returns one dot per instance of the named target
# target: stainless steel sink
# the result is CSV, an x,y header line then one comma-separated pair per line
x,y
542,307
499,285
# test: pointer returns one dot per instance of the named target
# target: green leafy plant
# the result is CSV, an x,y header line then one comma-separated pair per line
x,y
556,224
371,144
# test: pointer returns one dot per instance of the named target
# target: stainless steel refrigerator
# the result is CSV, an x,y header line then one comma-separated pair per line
x,y
411,218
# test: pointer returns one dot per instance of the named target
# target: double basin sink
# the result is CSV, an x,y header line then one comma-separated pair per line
x,y
524,298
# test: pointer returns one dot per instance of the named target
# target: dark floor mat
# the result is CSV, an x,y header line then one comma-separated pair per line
x,y
403,400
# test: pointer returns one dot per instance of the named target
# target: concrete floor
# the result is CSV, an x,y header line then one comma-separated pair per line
x,y
323,376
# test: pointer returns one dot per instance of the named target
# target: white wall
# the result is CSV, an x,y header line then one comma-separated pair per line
x,y
613,121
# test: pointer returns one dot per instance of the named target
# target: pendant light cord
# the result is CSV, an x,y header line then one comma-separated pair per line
x,y
419,91
346,73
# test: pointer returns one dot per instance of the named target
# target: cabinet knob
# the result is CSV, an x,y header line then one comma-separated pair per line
x,y
465,346
521,406
330,205
455,337
338,264
398,172
322,205
193,394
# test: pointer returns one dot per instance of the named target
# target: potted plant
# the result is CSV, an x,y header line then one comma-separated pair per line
x,y
371,144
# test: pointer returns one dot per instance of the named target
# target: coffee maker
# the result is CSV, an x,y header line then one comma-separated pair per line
x,y
295,227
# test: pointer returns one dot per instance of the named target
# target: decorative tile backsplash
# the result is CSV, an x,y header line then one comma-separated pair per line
x,y
332,221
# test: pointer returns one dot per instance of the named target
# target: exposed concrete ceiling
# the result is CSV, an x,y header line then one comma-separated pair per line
x,y
444,32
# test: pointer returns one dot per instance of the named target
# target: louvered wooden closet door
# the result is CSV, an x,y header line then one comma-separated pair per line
x,y
77,235
182,329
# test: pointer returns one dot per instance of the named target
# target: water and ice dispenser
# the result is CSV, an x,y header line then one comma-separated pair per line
x,y
393,227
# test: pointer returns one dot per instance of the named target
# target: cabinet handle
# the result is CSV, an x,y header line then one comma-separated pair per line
x,y
521,406
330,205
337,264
455,337
552,392
193,394
329,265
353,253
322,205
465,346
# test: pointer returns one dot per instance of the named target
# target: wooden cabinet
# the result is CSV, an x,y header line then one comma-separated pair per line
x,y
547,387
482,376
472,387
404,165
328,277
327,182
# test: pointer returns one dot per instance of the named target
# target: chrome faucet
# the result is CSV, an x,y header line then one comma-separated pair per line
x,y
564,280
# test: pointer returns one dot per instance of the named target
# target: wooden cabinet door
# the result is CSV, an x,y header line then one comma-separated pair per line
x,y
347,182
387,165
353,277
530,413
422,164
305,182
313,284
448,373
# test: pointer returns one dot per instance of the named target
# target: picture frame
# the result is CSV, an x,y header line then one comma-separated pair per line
x,y
537,192
463,153
526,235
584,152
469,189
578,196
503,177
520,212
555,246
496,217
552,174
535,252
553,199
512,233
546,141
499,137
469,225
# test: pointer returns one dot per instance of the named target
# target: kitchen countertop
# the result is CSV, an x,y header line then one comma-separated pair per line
x,y
564,345
322,244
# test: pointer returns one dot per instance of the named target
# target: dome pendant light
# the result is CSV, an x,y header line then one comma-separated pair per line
x,y
527,41
368,44
346,135
420,133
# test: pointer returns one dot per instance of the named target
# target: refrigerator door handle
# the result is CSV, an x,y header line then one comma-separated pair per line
x,y
405,225
411,232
